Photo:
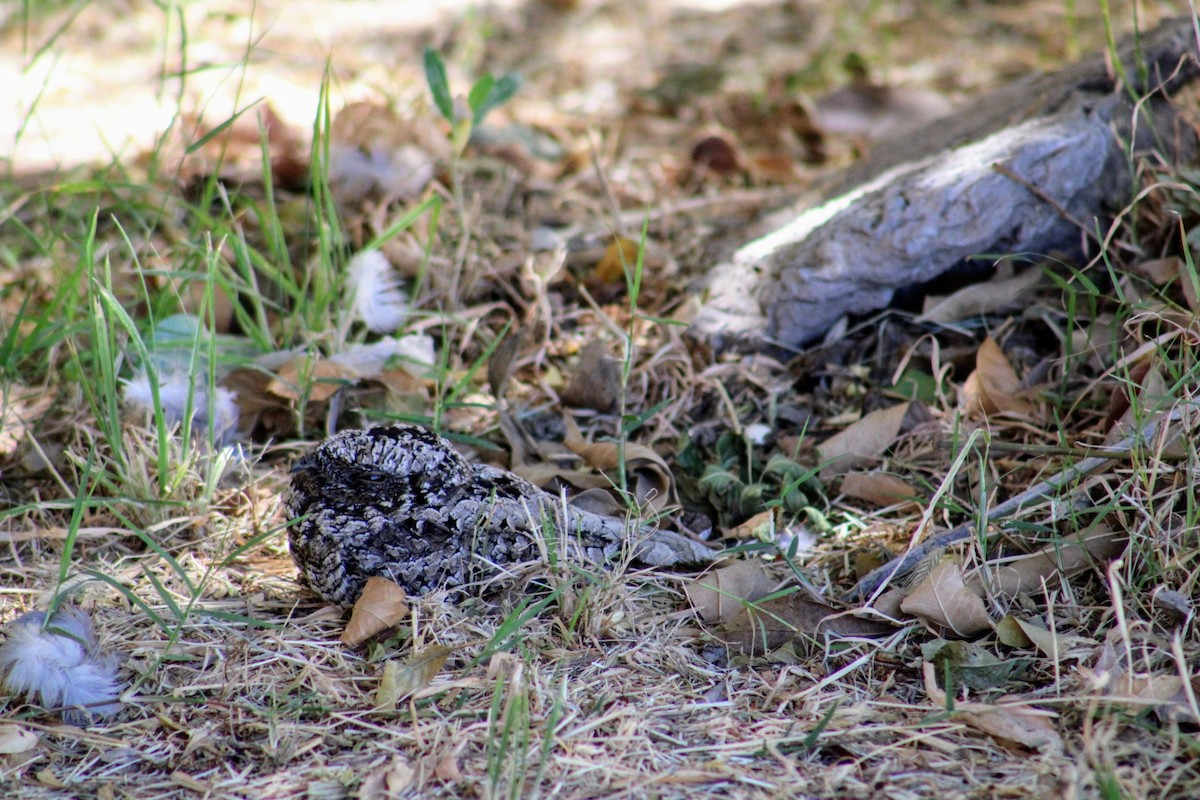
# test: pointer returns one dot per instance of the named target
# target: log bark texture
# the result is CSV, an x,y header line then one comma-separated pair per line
x,y
1034,167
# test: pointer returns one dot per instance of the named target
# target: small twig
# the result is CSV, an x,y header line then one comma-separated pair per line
x,y
1004,170
692,205
1114,454
902,565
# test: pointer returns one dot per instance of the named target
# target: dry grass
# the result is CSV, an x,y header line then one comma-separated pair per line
x,y
610,686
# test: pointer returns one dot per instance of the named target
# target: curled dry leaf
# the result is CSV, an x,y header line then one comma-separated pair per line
x,y
1023,724
980,298
599,501
1126,418
716,153
993,387
729,598
1167,693
233,150
554,478
873,111
381,606
401,680
649,477
1174,604
943,600
375,153
20,406
1010,633
720,594
879,488
387,781
15,739
763,626
862,442
620,258
260,413
318,378
596,381
761,527
1029,574
965,664
1054,646
1159,270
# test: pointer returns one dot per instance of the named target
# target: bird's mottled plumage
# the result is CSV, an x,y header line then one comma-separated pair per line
x,y
401,502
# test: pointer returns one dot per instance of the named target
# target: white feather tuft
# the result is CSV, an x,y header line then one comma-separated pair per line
x,y
173,392
60,665
415,351
374,293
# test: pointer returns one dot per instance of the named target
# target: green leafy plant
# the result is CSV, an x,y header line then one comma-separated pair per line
x,y
464,116
486,93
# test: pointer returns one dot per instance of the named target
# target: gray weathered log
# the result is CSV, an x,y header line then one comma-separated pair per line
x,y
1030,168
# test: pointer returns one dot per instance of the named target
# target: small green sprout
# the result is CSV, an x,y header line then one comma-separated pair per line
x,y
487,93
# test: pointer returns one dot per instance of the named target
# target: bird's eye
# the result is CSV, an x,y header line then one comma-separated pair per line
x,y
375,477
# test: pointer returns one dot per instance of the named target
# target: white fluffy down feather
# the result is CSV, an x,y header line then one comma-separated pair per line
x,y
375,292
173,392
60,665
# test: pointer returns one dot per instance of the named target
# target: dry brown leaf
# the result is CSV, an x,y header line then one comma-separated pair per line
x,y
1125,418
1028,574
874,111
15,739
500,365
554,478
405,391
447,770
1191,293
261,414
1159,270
1025,725
761,527
619,257
234,153
716,153
863,442
1174,604
599,501
720,594
993,387
19,406
381,606
1167,693
979,298
1118,401
373,152
596,381
943,600
728,597
1029,727
649,477
321,376
1053,646
388,781
1010,633
763,626
401,680
878,488
773,168
585,490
